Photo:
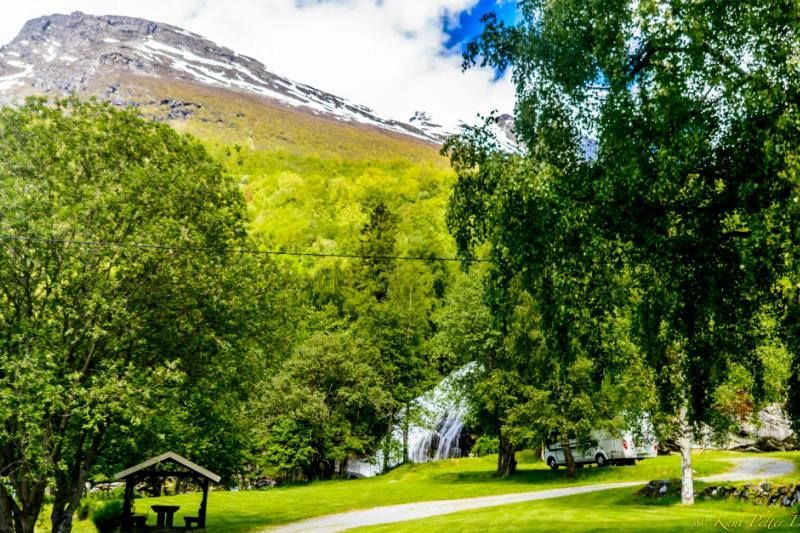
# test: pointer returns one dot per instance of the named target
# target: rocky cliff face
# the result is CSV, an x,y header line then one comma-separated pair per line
x,y
769,430
88,55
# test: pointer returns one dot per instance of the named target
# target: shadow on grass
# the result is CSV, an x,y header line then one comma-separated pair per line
x,y
539,476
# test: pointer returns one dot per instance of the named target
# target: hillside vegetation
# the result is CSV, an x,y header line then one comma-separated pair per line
x,y
314,203
233,117
310,182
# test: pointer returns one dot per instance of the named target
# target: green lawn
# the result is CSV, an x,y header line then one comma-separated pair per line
x,y
607,511
457,478
619,510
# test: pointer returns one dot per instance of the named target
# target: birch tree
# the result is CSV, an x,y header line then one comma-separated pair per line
x,y
684,117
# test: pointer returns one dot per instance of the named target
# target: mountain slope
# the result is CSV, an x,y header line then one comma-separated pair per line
x,y
311,166
132,61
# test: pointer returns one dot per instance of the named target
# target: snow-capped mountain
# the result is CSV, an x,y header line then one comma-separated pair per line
x,y
78,53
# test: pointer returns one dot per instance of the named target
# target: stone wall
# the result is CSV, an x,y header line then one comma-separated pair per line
x,y
764,493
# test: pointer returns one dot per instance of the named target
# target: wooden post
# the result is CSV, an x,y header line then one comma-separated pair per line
x,y
202,514
127,506
158,485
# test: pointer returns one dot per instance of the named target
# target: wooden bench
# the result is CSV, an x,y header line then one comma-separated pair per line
x,y
191,521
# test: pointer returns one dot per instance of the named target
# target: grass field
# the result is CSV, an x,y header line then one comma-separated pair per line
x,y
462,478
606,511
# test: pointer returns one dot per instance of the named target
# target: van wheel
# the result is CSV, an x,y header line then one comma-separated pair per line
x,y
600,459
551,462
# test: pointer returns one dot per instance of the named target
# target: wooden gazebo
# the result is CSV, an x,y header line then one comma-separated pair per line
x,y
156,470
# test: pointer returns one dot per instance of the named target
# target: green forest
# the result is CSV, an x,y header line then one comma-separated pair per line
x,y
275,312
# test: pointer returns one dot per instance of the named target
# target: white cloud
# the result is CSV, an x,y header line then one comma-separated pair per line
x,y
386,54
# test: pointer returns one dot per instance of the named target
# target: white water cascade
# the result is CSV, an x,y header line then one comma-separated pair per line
x,y
434,434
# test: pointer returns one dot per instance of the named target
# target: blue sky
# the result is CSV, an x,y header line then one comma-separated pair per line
x,y
396,56
469,25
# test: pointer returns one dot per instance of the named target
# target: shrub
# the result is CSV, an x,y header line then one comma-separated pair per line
x,y
107,516
485,445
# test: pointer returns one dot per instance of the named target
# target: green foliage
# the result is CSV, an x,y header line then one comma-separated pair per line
x,y
392,302
657,190
374,196
308,203
733,398
557,292
327,404
97,340
485,445
464,328
375,301
107,516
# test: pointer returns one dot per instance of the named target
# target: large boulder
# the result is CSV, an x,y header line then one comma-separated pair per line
x,y
769,431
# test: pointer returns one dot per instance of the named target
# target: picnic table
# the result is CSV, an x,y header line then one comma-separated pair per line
x,y
165,515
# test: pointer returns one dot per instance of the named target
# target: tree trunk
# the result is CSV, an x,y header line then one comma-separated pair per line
x,y
506,458
330,469
406,423
387,445
685,442
26,522
537,450
568,457
314,468
68,498
69,489
62,513
385,465
7,510
61,520
25,513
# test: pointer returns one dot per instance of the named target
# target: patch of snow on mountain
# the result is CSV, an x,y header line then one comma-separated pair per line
x,y
51,54
70,53
12,80
214,72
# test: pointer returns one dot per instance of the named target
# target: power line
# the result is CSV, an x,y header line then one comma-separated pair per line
x,y
196,249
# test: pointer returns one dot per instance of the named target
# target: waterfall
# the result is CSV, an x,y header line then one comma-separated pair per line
x,y
419,444
448,436
434,432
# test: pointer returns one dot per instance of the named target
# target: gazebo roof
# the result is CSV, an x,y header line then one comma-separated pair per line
x,y
172,457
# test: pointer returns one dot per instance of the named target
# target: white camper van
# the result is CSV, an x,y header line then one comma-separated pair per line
x,y
604,449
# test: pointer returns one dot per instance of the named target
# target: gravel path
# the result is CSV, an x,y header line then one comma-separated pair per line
x,y
746,468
